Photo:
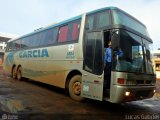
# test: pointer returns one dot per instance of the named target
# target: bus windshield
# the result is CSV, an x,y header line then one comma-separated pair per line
x,y
133,58
120,18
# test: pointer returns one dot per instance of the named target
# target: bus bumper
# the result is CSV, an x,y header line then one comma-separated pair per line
x,y
120,94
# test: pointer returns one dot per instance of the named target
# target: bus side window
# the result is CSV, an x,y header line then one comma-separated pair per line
x,y
48,37
103,19
75,31
63,32
90,22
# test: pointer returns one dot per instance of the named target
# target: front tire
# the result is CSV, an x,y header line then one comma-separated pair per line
x,y
75,88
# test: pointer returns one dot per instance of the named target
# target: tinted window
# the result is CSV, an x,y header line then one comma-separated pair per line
x,y
14,45
34,40
55,33
90,22
147,53
98,55
98,20
9,46
89,53
25,42
17,44
123,19
103,19
69,32
93,53
48,37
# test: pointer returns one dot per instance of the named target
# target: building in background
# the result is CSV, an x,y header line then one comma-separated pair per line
x,y
156,63
4,37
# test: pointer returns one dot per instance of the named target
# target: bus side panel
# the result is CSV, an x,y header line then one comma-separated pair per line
x,y
49,65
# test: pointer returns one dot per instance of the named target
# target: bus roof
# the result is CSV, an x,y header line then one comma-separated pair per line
x,y
74,18
101,9
115,8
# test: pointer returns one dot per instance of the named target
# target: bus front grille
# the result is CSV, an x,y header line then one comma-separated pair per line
x,y
142,82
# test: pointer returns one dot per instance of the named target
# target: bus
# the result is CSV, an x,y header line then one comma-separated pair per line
x,y
70,55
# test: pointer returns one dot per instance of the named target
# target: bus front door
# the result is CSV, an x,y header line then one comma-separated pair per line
x,y
92,78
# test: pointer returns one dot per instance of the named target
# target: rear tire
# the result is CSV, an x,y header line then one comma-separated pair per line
x,y
14,72
19,73
75,88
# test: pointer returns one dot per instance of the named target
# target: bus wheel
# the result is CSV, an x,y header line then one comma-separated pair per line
x,y
14,72
75,88
19,73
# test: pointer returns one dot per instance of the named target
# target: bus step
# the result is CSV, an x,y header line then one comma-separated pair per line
x,y
106,93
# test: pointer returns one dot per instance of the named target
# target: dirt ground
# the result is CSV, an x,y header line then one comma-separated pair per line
x,y
31,100
158,86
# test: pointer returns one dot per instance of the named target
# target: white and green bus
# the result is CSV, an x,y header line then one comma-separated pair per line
x,y
70,55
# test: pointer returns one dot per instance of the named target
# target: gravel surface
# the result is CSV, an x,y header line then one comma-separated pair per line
x,y
158,86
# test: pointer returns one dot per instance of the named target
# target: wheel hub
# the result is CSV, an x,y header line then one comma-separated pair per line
x,y
77,88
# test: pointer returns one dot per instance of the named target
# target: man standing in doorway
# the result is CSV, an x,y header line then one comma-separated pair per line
x,y
108,64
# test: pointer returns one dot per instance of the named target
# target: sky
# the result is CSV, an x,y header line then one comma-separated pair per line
x,y
24,16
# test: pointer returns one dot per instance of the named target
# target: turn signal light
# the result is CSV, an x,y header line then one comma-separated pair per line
x,y
120,80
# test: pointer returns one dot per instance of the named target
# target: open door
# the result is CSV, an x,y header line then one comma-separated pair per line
x,y
92,78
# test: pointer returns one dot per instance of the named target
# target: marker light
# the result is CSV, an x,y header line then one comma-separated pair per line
x,y
127,93
121,80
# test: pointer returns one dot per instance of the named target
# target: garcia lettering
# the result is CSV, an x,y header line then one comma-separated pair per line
x,y
34,53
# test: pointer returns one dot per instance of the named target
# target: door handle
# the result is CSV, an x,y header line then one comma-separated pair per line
x,y
100,77
85,74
